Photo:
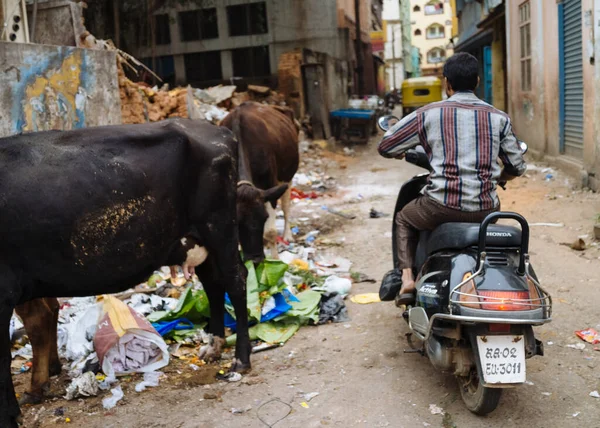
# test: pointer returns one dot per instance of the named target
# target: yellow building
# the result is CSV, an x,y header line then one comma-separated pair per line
x,y
431,26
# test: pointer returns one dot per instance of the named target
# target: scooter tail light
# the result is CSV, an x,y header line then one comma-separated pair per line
x,y
505,300
468,296
534,293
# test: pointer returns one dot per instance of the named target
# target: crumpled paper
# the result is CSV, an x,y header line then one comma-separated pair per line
x,y
85,385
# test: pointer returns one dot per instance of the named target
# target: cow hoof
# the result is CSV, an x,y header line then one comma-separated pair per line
x,y
239,367
288,237
28,398
212,351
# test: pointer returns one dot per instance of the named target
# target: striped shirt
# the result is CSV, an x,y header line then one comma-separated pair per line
x,y
463,137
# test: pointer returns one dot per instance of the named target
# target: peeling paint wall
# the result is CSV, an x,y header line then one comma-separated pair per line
x,y
54,87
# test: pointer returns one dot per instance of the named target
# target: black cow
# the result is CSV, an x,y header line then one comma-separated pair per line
x,y
95,211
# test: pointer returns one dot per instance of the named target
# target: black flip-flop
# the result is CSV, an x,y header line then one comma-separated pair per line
x,y
405,299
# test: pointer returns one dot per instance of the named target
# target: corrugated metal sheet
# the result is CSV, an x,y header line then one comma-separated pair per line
x,y
573,79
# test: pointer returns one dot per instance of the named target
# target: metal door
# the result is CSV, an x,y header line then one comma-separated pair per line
x,y
314,92
571,78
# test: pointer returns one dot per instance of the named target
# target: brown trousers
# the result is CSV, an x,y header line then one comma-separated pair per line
x,y
424,213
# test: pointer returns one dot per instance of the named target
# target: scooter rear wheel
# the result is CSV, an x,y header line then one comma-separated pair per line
x,y
478,399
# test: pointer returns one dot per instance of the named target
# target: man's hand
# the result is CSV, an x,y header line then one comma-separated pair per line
x,y
400,156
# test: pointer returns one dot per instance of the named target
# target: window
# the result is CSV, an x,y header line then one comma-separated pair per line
x,y
435,31
198,24
245,19
418,32
202,67
251,62
436,55
162,29
434,8
525,38
417,9
165,68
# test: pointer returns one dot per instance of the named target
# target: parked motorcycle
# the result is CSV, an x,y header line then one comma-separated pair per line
x,y
477,299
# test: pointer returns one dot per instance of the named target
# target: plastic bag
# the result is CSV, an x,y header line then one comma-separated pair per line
x,y
192,305
80,333
335,284
150,380
126,342
333,309
390,285
110,402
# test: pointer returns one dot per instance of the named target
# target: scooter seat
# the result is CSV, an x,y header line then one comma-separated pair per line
x,y
458,236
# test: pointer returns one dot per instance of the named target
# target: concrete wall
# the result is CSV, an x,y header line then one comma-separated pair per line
x,y
310,24
58,23
594,180
52,87
536,113
528,109
589,99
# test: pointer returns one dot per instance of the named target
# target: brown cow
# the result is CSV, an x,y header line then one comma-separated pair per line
x,y
268,159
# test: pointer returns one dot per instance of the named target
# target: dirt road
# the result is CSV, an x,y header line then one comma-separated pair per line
x,y
359,369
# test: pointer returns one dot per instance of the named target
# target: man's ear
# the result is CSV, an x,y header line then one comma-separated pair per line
x,y
478,82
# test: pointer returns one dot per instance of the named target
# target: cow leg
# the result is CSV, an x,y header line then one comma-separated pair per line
x,y
271,231
9,295
218,275
55,364
40,323
236,289
215,291
285,204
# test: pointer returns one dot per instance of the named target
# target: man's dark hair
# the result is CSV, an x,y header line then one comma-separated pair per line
x,y
461,70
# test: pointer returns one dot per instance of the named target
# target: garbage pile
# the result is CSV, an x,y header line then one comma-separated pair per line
x,y
139,331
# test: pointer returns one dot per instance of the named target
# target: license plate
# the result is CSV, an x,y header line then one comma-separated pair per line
x,y
502,358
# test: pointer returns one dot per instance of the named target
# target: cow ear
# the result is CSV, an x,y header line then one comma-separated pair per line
x,y
274,193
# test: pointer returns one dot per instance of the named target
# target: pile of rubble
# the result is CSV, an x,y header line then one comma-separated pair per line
x,y
141,103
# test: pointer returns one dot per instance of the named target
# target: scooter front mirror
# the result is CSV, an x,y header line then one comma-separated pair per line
x,y
524,146
386,122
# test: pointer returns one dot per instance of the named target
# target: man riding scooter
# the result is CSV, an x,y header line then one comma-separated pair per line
x,y
463,138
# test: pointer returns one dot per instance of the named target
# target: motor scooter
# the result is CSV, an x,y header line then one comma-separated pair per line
x,y
477,298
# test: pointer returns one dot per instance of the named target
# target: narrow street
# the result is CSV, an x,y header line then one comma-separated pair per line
x,y
359,368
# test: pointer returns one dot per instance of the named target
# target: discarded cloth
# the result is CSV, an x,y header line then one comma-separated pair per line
x,y
131,354
126,342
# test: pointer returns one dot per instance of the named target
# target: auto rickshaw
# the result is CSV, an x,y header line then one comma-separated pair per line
x,y
420,91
